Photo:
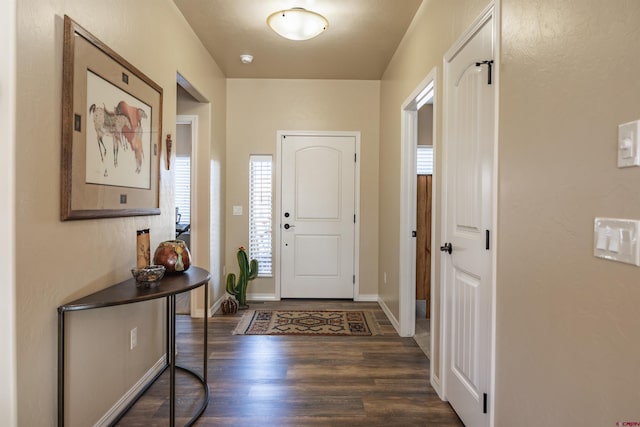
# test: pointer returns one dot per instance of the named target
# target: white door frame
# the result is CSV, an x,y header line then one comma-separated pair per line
x,y
488,13
278,208
8,78
408,203
192,120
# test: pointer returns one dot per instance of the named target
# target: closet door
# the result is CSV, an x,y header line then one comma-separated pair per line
x,y
423,240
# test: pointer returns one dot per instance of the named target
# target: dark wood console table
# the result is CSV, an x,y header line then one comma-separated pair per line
x,y
127,293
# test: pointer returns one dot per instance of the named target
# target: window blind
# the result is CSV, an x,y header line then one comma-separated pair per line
x,y
424,160
183,188
260,213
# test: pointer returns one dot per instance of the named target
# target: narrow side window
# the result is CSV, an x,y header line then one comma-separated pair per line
x,y
260,213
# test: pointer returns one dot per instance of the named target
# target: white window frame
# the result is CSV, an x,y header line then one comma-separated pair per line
x,y
261,213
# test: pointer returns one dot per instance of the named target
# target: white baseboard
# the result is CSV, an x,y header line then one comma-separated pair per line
x,y
262,297
108,418
216,305
199,313
366,298
272,297
390,315
435,383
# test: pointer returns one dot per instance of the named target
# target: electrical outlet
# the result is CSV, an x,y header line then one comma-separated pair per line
x,y
133,338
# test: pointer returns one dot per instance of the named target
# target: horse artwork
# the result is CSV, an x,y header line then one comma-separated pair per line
x,y
133,133
124,120
108,123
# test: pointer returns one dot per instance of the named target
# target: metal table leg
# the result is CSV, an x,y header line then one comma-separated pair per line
x,y
172,362
61,355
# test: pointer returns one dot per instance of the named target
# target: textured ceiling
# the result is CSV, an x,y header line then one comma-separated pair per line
x,y
360,41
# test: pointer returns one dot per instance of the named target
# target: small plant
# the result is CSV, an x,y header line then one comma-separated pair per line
x,y
248,272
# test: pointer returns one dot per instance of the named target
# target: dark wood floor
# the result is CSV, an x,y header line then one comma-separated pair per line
x,y
299,381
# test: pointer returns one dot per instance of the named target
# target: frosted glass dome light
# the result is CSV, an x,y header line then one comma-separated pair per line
x,y
297,23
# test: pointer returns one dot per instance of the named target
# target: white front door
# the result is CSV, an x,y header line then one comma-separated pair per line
x,y
317,216
468,217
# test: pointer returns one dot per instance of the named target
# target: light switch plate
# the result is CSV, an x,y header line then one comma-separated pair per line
x,y
617,240
628,144
237,210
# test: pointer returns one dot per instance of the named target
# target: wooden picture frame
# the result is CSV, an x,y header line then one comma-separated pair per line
x,y
111,132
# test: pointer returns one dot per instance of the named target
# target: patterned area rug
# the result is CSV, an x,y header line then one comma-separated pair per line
x,y
298,322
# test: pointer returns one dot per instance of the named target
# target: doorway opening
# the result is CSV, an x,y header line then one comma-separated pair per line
x,y
184,165
424,223
419,300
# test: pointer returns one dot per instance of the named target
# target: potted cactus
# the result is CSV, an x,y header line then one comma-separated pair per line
x,y
248,271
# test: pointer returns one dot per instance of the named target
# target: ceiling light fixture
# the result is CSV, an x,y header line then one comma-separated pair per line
x,y
246,58
297,23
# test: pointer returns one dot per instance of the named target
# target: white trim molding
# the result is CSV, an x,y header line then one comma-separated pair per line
x,y
367,298
408,207
263,297
110,416
389,313
409,142
192,120
8,359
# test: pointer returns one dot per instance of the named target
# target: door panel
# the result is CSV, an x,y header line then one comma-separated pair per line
x,y
317,256
318,230
468,275
465,321
318,189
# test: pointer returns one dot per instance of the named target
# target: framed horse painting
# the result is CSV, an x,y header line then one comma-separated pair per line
x,y
111,132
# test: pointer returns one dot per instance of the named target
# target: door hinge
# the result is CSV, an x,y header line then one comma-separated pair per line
x,y
354,218
414,233
489,64
355,157
487,243
354,279
484,403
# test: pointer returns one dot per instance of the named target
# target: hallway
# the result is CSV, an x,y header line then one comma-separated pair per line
x,y
381,380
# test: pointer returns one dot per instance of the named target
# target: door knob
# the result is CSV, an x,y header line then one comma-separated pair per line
x,y
288,226
446,248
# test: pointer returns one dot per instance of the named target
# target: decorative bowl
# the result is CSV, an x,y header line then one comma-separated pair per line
x,y
174,255
149,276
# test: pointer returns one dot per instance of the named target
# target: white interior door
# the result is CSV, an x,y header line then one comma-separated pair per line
x,y
317,216
468,216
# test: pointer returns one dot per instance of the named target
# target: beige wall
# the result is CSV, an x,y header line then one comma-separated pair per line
x,y
75,258
183,139
435,28
257,109
425,125
568,328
